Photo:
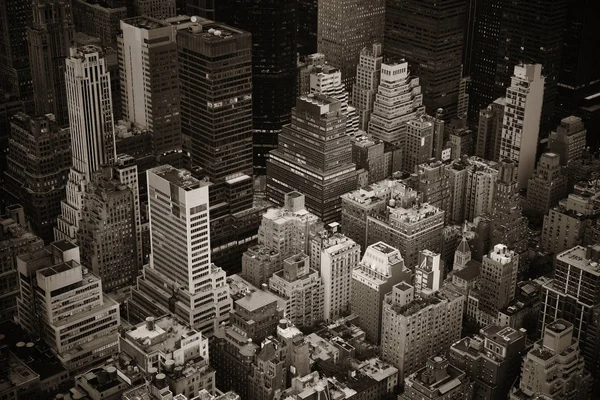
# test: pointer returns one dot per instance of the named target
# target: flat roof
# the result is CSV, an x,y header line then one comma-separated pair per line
x,y
181,178
577,257
255,300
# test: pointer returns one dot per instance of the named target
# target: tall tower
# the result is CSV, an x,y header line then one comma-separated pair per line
x,y
345,27
522,114
272,24
49,39
92,130
368,73
181,278
151,99
498,279
429,35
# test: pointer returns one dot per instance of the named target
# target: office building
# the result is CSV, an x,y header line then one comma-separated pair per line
x,y
416,328
409,228
491,360
15,70
547,186
532,33
573,295
379,270
108,233
398,100
438,379
288,229
299,287
433,49
554,367
307,17
64,303
327,80
15,240
565,225
151,100
159,9
432,180
489,130
93,144
99,19
368,74
336,256
175,349
259,263
274,57
37,168
568,140
508,225
342,36
313,150
49,38
522,119
418,147
180,279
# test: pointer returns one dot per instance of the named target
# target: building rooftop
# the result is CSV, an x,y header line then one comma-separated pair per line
x,y
502,334
578,257
470,272
144,22
165,337
179,177
253,301
413,215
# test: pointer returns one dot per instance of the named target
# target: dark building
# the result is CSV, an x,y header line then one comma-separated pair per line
x,y
307,22
272,24
99,18
314,158
15,72
532,32
481,52
49,38
7,110
429,35
38,166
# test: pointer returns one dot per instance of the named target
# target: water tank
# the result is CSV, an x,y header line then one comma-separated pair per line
x,y
160,381
283,323
169,365
112,373
150,323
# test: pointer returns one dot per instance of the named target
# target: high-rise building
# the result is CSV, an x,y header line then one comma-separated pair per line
x,y
532,33
547,186
107,232
159,9
418,147
368,74
461,142
37,169
481,183
489,130
565,225
49,39
299,287
307,16
415,328
432,180
521,124
99,19
92,130
336,256
491,359
259,263
398,100
554,367
327,80
288,229
345,27
314,157
15,240
181,278
306,66
433,48
568,140
438,379
380,269
151,100
574,295
15,70
272,24
369,155
429,273
63,303
408,228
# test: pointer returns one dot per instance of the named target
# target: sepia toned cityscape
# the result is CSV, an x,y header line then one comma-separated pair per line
x,y
299,200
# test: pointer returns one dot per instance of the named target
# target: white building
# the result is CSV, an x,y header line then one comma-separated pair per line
x,y
522,114
368,73
181,278
92,131
429,273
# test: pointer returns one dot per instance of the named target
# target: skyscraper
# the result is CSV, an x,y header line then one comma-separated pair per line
x,y
49,39
568,140
522,114
92,130
345,27
489,130
181,278
307,17
272,24
368,74
532,33
151,100
38,166
314,157
432,43
547,187
498,279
